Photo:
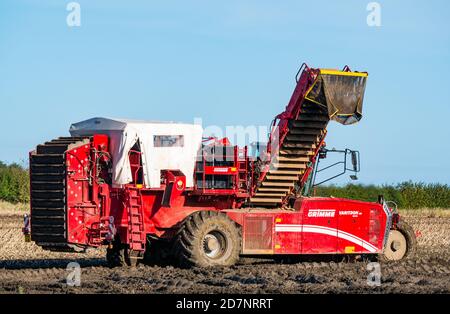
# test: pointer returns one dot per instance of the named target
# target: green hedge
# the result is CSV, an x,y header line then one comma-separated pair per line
x,y
15,186
14,183
405,194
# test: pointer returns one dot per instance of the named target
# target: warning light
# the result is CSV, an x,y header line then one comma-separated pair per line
x,y
180,185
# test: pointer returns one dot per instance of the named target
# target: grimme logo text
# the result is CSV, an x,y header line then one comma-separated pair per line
x,y
321,212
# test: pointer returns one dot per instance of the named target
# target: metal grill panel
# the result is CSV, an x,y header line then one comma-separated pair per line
x,y
258,233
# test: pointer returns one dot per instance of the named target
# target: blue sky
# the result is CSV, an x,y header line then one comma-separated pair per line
x,y
230,63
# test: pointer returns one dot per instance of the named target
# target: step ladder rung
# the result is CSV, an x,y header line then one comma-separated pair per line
x,y
277,177
310,117
302,131
271,183
136,235
311,125
297,152
286,172
265,200
302,138
272,189
288,165
292,145
294,159
266,194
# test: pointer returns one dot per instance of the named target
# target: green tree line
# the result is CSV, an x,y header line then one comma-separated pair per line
x,y
14,183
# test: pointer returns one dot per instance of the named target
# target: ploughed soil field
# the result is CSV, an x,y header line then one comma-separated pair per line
x,y
25,268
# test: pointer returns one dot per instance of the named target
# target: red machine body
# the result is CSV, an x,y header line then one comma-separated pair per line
x,y
315,225
74,204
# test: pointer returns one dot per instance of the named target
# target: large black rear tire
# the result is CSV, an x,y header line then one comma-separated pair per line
x,y
208,238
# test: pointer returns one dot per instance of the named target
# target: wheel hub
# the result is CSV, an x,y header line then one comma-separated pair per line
x,y
396,245
214,244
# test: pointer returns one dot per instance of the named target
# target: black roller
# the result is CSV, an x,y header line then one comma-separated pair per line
x,y
48,192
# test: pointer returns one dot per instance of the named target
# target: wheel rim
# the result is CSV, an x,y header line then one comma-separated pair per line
x,y
214,244
396,246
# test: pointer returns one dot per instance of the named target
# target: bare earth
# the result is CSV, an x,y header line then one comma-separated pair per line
x,y
25,268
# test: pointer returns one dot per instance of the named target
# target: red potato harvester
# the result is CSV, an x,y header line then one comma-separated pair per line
x,y
157,191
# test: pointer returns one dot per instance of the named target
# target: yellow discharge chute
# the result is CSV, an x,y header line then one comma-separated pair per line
x,y
341,92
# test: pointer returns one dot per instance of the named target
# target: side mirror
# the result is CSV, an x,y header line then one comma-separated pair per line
x,y
355,161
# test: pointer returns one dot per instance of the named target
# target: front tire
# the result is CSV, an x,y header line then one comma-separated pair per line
x,y
208,238
401,243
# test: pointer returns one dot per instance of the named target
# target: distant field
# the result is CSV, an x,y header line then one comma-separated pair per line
x,y
7,208
426,212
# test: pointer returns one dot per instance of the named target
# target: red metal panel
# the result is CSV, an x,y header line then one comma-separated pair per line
x,y
316,226
319,226
353,220
288,236
81,212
